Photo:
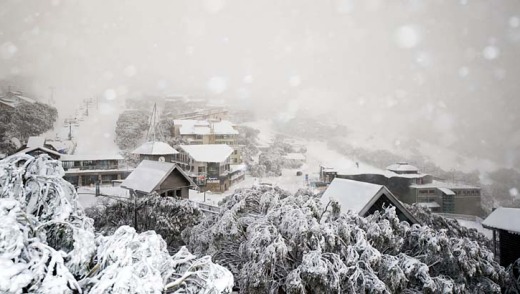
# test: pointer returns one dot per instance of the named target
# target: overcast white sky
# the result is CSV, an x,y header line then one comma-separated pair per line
x,y
425,67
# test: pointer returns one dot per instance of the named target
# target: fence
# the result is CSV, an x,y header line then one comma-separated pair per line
x,y
207,208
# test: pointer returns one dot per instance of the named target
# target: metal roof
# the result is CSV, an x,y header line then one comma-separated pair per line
x,y
504,218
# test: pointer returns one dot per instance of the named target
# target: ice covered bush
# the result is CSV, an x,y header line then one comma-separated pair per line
x,y
50,202
128,262
167,216
277,242
48,245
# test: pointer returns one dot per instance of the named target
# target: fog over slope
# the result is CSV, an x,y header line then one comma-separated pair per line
x,y
441,71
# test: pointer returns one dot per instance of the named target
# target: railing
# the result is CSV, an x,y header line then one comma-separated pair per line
x,y
207,207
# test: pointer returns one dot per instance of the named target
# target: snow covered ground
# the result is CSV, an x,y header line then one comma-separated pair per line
x,y
96,134
445,158
93,134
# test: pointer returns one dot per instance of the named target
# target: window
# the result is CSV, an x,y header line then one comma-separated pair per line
x,y
201,169
448,205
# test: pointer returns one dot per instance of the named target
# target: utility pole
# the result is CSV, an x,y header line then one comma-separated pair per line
x,y
135,208
70,130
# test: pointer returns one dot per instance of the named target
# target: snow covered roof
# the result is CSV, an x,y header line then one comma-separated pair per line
x,y
26,99
352,195
11,104
14,98
149,174
429,204
81,157
402,167
44,149
155,148
353,169
360,196
446,191
208,152
60,145
203,127
237,167
34,141
504,218
439,184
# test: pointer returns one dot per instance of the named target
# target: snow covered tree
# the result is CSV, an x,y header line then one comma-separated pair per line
x,y
130,127
48,245
167,216
33,119
55,241
513,284
128,262
274,241
27,119
450,226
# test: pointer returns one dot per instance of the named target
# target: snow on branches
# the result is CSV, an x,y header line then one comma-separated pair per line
x,y
139,263
48,245
286,242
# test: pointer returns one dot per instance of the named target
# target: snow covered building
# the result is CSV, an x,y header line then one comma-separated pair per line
x,y
12,99
505,223
154,150
36,146
447,197
207,165
165,178
86,170
209,132
409,185
364,198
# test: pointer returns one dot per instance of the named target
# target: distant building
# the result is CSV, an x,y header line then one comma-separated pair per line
x,y
447,197
409,185
86,170
364,198
12,99
214,113
209,132
207,165
153,150
36,146
505,223
164,178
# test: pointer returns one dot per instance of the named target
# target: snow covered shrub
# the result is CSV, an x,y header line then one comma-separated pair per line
x,y
47,244
129,262
513,284
28,264
167,216
38,186
451,227
287,243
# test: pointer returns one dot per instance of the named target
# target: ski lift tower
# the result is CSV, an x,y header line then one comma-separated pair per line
x,y
154,148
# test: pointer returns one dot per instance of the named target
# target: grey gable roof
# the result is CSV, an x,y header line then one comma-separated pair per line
x,y
148,175
359,197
